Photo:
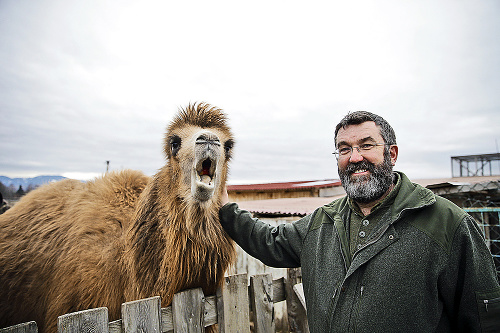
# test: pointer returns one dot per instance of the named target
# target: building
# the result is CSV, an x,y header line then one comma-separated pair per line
x,y
299,189
276,203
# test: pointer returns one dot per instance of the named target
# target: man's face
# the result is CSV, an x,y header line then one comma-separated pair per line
x,y
366,176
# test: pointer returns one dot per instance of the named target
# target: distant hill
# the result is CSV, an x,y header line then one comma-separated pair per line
x,y
25,182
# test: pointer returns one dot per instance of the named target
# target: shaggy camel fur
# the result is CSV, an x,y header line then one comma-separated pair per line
x,y
70,246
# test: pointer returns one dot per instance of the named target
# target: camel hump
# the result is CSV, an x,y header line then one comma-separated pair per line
x,y
105,202
121,188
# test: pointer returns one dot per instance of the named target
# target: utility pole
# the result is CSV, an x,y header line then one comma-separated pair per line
x,y
107,166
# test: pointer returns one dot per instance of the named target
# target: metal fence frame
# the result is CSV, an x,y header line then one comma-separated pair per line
x,y
488,219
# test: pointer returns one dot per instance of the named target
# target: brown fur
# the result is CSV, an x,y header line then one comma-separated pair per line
x,y
71,246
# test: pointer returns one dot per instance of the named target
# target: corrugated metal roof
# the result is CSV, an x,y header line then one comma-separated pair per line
x,y
286,206
455,181
290,186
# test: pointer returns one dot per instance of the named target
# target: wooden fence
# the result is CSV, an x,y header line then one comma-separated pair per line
x,y
235,306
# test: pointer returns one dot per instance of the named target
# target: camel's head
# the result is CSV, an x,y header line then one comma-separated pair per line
x,y
198,146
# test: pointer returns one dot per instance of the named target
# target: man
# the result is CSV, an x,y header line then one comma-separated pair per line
x,y
389,257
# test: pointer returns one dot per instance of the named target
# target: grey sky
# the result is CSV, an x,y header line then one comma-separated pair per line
x,y
82,82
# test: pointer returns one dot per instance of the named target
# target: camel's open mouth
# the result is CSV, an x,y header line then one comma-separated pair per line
x,y
206,171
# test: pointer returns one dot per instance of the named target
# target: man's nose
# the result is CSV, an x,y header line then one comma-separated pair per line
x,y
355,156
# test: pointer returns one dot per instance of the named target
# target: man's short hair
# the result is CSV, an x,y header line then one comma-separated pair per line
x,y
359,117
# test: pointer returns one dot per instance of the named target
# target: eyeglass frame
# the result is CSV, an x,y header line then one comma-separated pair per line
x,y
359,149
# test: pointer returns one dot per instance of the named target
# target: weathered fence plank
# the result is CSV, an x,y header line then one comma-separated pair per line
x,y
261,287
116,326
167,320
279,292
142,316
233,305
29,327
188,309
191,311
87,321
299,292
210,310
297,319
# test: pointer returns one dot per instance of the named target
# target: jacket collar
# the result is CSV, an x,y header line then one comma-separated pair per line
x,y
411,196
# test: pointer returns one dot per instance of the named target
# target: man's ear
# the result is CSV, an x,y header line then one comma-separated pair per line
x,y
394,154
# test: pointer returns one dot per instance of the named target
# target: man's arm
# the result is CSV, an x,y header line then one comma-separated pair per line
x,y
275,246
474,299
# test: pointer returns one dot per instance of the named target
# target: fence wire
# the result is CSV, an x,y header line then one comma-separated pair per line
x,y
488,219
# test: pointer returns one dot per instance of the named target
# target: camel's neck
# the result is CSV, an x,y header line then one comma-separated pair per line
x,y
177,245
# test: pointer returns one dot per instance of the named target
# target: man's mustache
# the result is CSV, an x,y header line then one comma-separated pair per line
x,y
363,165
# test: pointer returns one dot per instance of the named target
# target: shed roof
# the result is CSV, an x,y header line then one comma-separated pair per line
x,y
289,186
455,181
286,206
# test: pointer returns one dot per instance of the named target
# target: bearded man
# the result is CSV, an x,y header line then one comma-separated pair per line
x,y
391,256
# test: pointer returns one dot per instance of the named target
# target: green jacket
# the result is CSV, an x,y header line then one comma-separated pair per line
x,y
425,268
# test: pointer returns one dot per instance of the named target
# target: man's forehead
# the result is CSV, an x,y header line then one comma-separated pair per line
x,y
356,132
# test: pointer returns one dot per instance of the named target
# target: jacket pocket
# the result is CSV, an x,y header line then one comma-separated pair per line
x,y
489,310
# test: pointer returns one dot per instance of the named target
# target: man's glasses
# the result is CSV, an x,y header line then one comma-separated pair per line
x,y
345,151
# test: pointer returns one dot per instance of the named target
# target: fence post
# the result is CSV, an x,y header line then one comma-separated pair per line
x,y
188,310
87,321
297,319
142,315
29,327
232,305
261,287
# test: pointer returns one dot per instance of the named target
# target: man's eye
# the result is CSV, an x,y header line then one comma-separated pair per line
x,y
344,150
366,146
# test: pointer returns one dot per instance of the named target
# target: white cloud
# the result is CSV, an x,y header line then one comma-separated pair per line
x,y
86,82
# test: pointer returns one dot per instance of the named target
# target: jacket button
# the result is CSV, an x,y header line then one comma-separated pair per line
x,y
391,236
366,222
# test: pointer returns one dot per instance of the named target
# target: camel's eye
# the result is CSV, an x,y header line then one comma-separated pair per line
x,y
175,144
227,147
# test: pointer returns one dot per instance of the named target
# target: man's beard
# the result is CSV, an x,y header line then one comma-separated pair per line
x,y
365,189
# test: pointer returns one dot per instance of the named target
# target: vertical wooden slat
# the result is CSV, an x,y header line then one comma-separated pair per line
x,y
261,287
87,321
210,310
297,319
29,327
115,326
299,292
167,320
188,309
142,315
279,293
233,306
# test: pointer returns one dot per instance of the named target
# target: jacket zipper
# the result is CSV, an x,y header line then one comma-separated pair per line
x,y
490,301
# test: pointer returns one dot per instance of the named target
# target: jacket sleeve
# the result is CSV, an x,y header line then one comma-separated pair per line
x,y
470,285
279,246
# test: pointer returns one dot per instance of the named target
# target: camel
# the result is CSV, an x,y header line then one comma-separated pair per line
x,y
70,245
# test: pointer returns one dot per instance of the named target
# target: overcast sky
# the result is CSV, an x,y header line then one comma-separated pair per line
x,y
83,82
